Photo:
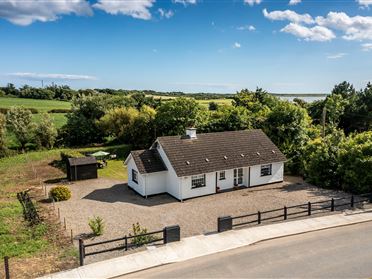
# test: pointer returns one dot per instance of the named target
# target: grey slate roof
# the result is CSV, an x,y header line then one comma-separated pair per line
x,y
148,161
219,151
82,161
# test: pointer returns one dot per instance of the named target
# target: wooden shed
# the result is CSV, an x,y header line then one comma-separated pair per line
x,y
81,168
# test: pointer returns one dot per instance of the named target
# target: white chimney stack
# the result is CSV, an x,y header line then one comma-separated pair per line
x,y
191,133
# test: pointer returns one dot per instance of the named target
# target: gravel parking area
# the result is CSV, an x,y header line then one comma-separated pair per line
x,y
120,207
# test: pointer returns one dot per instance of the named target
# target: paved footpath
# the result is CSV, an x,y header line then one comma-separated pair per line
x,y
202,245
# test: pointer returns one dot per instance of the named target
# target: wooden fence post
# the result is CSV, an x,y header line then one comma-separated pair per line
x,y
309,208
72,237
332,204
81,251
126,243
352,201
285,213
6,266
64,222
259,217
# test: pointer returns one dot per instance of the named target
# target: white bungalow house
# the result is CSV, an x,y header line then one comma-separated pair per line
x,y
202,164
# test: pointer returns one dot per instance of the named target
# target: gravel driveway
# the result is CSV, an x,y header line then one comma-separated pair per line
x,y
120,207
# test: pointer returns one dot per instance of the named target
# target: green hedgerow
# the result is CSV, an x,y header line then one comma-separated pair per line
x,y
60,193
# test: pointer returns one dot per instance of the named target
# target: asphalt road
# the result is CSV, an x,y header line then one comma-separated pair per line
x,y
344,252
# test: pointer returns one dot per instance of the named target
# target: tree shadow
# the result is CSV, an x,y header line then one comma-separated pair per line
x,y
315,191
123,193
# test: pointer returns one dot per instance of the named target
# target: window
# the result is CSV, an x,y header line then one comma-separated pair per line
x,y
197,181
266,170
135,176
222,175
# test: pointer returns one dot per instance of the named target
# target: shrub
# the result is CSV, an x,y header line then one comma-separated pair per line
x,y
97,225
60,193
138,238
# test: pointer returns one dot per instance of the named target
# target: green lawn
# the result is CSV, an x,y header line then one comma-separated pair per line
x,y
40,105
218,101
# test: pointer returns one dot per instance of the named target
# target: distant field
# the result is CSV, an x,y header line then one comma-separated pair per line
x,y
59,119
40,105
202,102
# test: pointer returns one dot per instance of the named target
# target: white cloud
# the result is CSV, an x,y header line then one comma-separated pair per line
x,y
365,3
246,27
138,8
336,56
294,2
367,47
185,2
316,33
38,76
23,12
355,28
252,2
237,45
288,15
166,14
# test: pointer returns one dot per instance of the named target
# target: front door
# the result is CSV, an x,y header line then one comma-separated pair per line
x,y
238,177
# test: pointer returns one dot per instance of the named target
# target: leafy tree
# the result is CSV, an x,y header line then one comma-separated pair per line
x,y
355,163
300,102
174,116
344,89
142,132
321,160
81,127
287,126
2,133
118,122
19,121
45,132
212,106
228,118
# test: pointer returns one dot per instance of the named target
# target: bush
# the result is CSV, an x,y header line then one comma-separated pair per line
x,y
60,193
97,225
138,239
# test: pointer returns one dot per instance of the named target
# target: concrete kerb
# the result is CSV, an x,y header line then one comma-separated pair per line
x,y
202,245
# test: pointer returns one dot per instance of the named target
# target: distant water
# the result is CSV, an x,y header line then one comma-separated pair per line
x,y
307,99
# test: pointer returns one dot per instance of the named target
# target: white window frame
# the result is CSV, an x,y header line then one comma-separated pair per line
x,y
266,170
198,181
135,176
222,175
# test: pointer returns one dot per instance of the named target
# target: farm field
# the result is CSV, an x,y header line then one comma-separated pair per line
x,y
40,105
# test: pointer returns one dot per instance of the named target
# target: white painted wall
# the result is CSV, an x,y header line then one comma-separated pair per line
x,y
188,192
172,181
155,183
140,187
277,172
228,183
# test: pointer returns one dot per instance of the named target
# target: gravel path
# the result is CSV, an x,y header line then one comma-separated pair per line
x,y
120,207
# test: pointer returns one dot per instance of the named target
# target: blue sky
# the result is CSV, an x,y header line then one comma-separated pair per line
x,y
187,45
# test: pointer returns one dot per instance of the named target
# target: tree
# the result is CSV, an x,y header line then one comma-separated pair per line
x,y
81,127
355,163
321,160
19,121
228,118
142,132
118,122
344,89
287,126
2,133
45,132
212,106
174,116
